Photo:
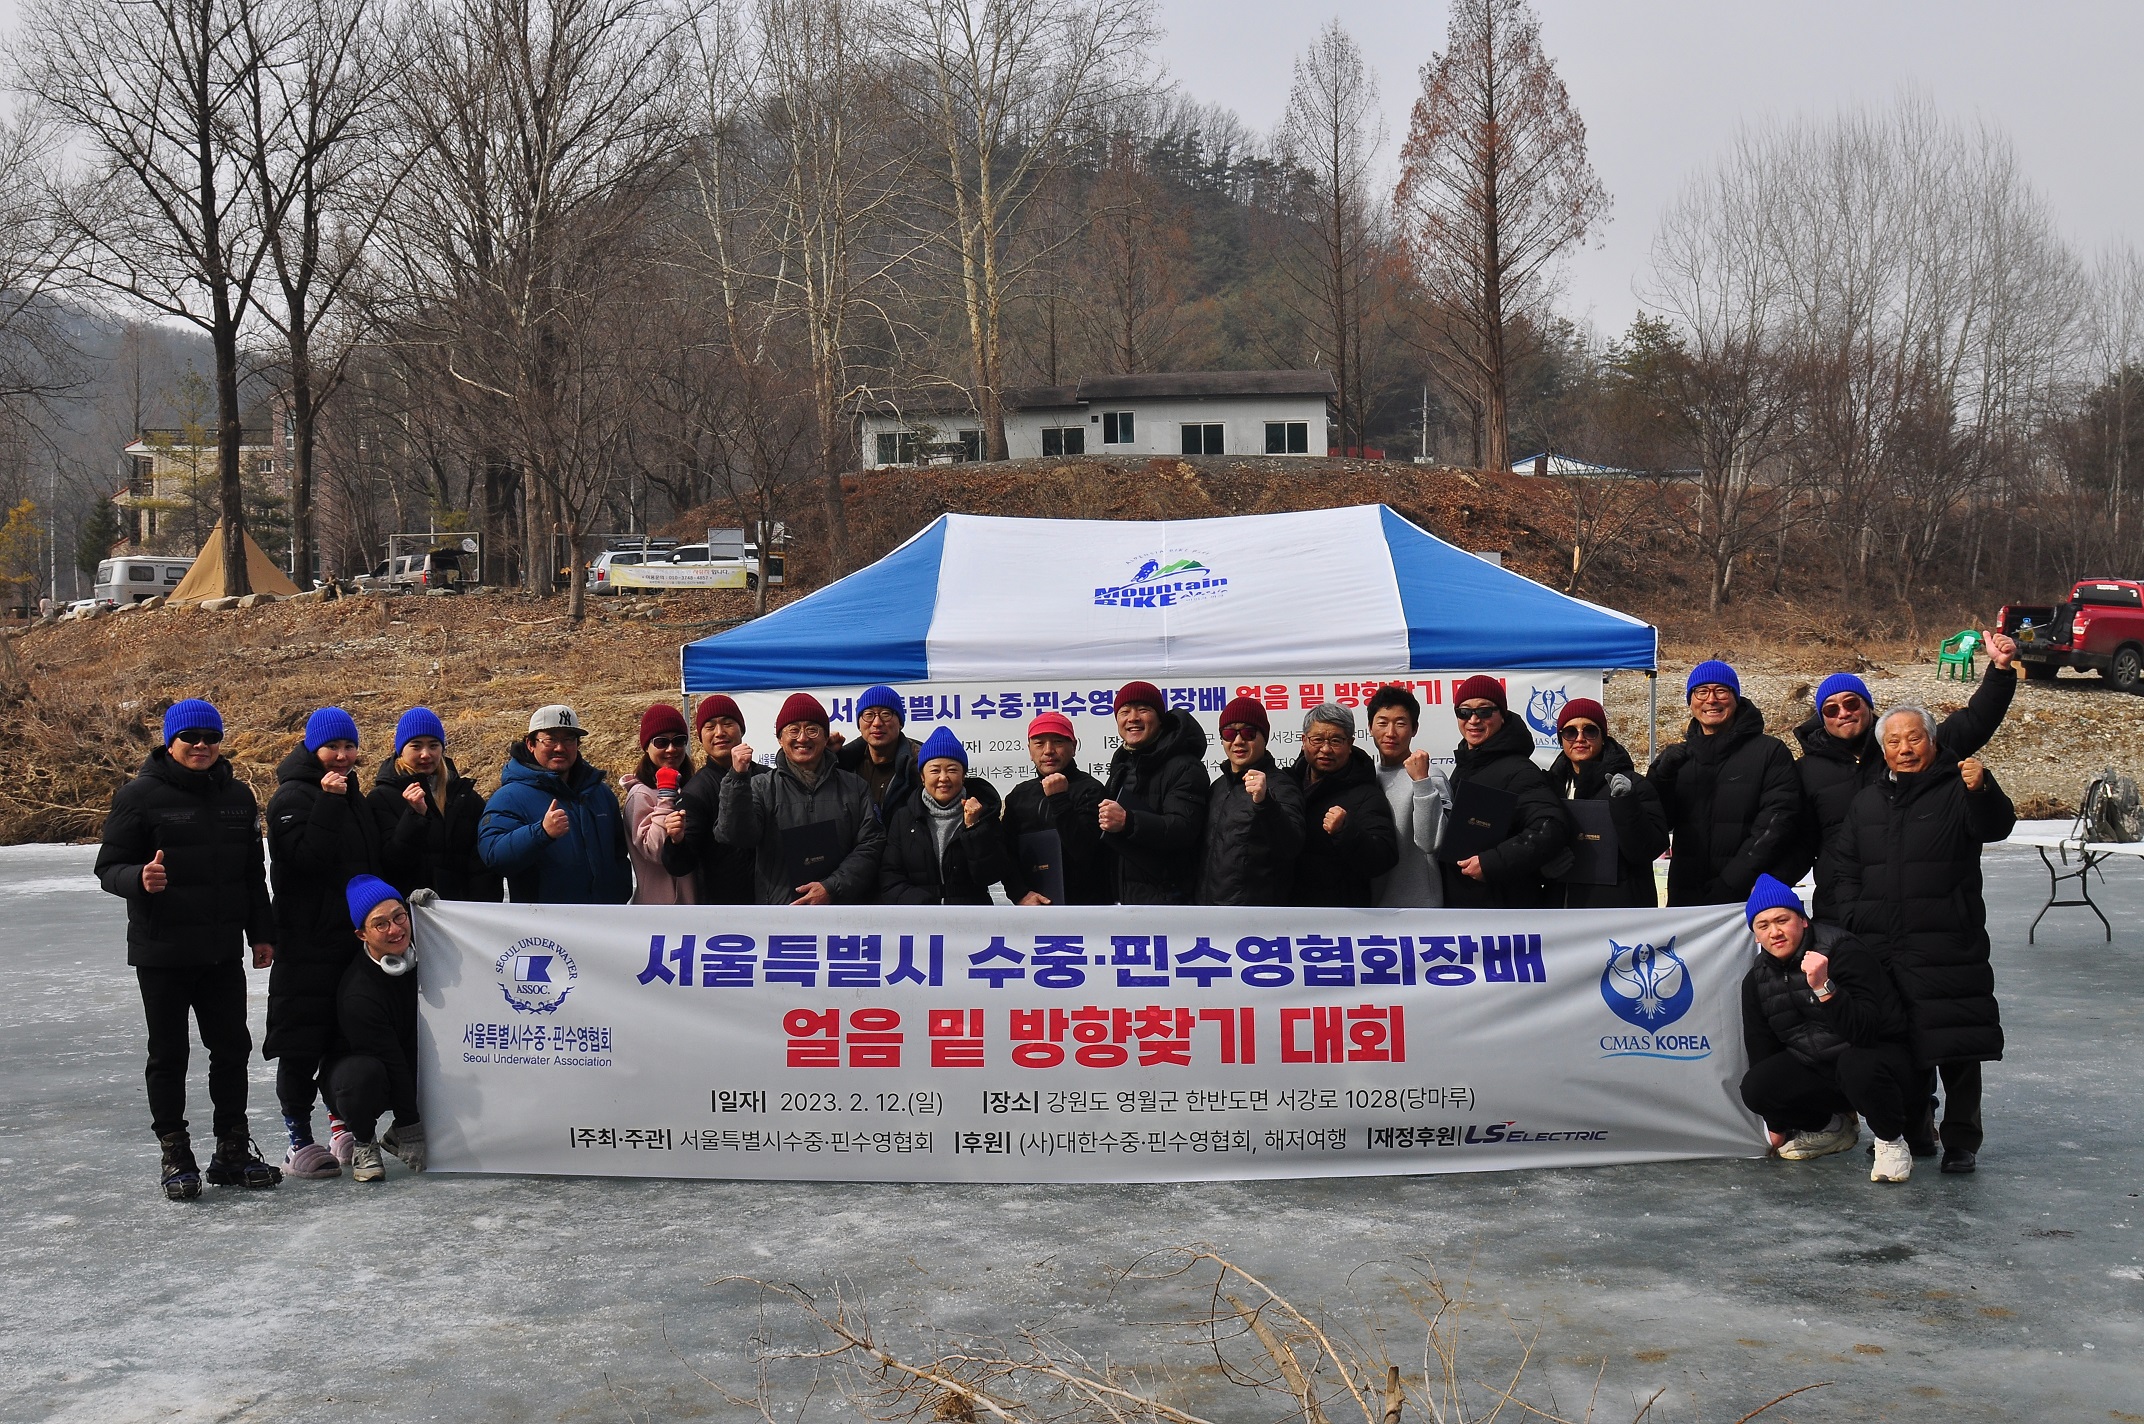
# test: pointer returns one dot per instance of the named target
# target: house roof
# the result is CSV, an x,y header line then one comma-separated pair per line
x,y
1042,398
1194,385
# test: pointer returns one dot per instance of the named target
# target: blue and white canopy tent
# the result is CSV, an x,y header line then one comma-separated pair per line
x,y
1008,609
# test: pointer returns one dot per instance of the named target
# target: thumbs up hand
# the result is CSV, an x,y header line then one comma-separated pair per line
x,y
555,822
154,878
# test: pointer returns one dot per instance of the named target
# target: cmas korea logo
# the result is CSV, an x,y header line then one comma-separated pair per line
x,y
535,975
1163,581
1649,988
1541,710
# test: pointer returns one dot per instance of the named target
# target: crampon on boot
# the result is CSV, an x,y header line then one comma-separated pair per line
x,y
238,1163
182,1175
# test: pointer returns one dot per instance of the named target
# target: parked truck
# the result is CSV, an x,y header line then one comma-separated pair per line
x,y
2100,629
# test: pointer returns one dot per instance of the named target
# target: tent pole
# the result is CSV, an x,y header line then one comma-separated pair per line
x,y
1652,712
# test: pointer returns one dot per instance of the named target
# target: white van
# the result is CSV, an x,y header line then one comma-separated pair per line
x,y
124,581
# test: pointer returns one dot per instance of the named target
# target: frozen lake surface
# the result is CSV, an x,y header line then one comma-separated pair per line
x,y
2015,1293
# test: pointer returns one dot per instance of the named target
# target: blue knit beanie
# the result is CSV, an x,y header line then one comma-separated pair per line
x,y
1840,682
418,722
1712,670
192,715
329,724
1772,894
881,696
365,894
942,743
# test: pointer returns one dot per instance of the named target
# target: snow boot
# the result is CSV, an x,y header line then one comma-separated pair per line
x,y
182,1175
238,1163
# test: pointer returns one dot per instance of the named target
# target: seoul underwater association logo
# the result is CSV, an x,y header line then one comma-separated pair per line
x,y
1163,581
1650,988
535,975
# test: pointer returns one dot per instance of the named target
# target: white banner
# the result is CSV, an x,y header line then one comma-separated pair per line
x,y
1119,1043
678,576
991,718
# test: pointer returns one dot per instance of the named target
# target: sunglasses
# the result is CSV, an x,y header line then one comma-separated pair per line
x,y
1235,731
668,743
200,737
1844,707
1474,714
1578,732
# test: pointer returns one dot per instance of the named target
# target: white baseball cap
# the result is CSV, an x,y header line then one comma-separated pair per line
x,y
557,717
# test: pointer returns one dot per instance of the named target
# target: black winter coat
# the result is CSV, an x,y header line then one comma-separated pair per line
x,y
1909,886
1641,830
911,873
316,844
1341,868
207,824
721,874
755,810
1734,808
1090,870
1781,1015
376,1017
1252,846
433,849
1538,829
1833,771
1162,788
853,756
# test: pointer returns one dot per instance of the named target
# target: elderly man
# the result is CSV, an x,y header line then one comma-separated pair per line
x,y
1827,1036
882,754
1254,817
1496,865
1349,838
1153,811
1840,755
1418,796
553,828
817,836
1734,804
1908,884
1065,802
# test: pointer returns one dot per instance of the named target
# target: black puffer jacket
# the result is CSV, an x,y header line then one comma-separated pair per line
x,y
755,810
1641,830
911,872
1734,807
721,875
1090,870
1909,886
316,844
207,824
1252,846
376,1017
1539,828
433,849
1340,869
1833,771
1162,788
1780,1015
854,756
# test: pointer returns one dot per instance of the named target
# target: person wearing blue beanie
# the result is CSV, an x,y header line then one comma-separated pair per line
x,y
1840,682
418,722
371,1063
330,724
1772,894
882,754
943,842
362,893
428,814
1713,673
1733,802
942,744
881,696
192,715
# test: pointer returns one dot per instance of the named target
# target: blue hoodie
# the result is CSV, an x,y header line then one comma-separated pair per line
x,y
586,866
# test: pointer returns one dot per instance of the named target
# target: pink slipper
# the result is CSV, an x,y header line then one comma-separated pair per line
x,y
343,1143
311,1163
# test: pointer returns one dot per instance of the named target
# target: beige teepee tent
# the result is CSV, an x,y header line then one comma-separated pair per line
x,y
206,578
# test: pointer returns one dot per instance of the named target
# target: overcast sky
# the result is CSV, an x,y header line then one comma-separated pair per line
x,y
1662,83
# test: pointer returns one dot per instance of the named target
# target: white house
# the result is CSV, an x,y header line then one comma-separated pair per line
x,y
1166,413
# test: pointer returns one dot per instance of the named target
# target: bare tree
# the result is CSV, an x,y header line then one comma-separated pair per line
x,y
1494,186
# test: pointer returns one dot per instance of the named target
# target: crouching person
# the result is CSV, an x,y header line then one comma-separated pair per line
x,y
1828,1038
372,1062
943,843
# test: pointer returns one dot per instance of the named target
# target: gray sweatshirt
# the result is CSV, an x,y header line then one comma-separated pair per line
x,y
1418,809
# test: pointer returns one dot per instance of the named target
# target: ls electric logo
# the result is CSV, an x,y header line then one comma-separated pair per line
x,y
535,975
1163,581
1649,988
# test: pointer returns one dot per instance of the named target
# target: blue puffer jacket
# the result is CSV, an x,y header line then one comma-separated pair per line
x,y
585,866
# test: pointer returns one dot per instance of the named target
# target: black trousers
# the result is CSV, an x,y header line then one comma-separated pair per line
x,y
215,995
1879,1083
296,1082
358,1093
1961,1103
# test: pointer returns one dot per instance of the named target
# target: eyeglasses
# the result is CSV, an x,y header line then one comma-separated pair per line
x,y
1844,707
200,737
558,739
1712,692
878,714
1578,732
1475,714
399,917
1239,731
669,743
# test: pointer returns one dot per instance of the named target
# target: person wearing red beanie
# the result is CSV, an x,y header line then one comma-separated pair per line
x,y
1053,818
653,816
1481,687
810,826
719,874
1503,836
1153,815
1593,766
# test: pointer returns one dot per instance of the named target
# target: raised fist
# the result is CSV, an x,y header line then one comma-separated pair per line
x,y
1417,765
1335,818
1055,784
740,759
1254,785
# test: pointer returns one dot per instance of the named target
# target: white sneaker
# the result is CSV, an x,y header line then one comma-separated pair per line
x,y
1894,1160
365,1163
1840,1135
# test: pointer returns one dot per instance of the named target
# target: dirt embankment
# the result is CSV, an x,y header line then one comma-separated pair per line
x,y
88,699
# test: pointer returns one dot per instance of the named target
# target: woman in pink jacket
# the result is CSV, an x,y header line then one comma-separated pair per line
x,y
651,811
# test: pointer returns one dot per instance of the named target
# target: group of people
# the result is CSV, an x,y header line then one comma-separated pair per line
x,y
1889,813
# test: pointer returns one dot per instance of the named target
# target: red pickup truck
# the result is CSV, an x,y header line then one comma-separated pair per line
x,y
2101,629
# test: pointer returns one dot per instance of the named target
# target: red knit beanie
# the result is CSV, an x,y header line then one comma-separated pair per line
x,y
660,718
1247,709
1584,707
1480,688
1142,692
719,705
801,707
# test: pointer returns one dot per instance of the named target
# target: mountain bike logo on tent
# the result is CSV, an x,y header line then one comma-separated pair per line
x,y
1163,581
535,975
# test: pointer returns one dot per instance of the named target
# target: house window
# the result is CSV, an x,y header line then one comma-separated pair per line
x,y
1116,427
1064,440
1202,440
1287,437
889,448
971,444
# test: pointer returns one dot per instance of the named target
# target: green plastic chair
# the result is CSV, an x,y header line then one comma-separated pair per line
x,y
1956,655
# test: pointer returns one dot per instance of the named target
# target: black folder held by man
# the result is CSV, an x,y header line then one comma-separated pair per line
x,y
1481,819
810,853
1042,856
